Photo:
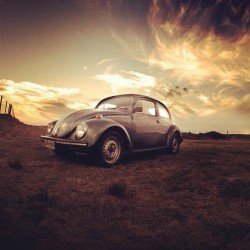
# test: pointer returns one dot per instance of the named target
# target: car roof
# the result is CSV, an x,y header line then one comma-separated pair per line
x,y
133,95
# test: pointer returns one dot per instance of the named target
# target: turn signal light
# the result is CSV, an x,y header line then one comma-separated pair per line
x,y
98,116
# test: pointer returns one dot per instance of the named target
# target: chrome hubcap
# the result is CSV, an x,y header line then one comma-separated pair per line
x,y
175,145
111,150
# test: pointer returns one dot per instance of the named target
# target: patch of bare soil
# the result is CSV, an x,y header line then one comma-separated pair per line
x,y
198,199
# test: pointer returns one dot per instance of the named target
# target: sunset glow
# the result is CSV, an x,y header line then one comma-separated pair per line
x,y
62,56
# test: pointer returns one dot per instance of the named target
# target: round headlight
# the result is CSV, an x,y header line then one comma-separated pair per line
x,y
49,128
55,132
81,130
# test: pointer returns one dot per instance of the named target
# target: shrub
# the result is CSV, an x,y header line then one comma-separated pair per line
x,y
229,232
235,188
118,189
15,164
37,206
177,180
41,196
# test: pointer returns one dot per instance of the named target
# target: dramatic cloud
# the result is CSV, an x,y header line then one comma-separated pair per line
x,y
198,53
37,104
128,81
228,19
192,47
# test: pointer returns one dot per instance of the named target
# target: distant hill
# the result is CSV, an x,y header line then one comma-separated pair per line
x,y
10,119
12,127
213,135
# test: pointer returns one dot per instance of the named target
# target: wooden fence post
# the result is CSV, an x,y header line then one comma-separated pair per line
x,y
1,103
10,108
6,103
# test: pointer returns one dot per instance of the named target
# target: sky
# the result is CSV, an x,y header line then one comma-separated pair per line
x,y
60,56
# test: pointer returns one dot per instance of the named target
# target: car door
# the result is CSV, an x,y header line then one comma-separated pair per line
x,y
146,128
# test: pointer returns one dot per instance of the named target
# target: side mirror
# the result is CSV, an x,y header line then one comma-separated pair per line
x,y
137,109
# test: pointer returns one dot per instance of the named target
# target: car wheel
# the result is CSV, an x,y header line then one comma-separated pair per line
x,y
110,148
175,144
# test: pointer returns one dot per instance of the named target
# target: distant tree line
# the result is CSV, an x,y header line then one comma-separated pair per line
x,y
213,135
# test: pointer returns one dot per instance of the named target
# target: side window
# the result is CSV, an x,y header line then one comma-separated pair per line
x,y
163,111
138,106
146,107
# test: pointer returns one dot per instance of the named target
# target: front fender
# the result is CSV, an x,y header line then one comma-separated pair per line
x,y
97,127
172,130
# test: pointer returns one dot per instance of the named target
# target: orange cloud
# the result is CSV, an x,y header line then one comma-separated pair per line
x,y
128,80
38,104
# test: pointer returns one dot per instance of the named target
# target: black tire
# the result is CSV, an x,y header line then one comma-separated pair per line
x,y
110,148
174,144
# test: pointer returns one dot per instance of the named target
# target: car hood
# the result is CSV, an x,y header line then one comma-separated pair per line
x,y
68,123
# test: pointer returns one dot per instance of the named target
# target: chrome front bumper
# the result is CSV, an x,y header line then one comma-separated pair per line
x,y
51,141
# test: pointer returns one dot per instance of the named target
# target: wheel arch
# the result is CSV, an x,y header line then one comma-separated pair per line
x,y
124,135
98,128
174,130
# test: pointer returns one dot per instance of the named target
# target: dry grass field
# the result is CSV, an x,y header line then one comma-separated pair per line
x,y
198,199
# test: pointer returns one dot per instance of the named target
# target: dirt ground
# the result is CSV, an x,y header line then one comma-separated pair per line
x,y
198,199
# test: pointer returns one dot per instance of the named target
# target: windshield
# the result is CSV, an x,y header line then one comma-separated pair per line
x,y
118,103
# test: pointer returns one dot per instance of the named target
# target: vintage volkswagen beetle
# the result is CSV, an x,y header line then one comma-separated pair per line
x,y
117,125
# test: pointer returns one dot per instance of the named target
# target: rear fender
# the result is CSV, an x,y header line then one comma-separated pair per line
x,y
172,130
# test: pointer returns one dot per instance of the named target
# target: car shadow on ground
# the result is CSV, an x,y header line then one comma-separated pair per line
x,y
79,159
145,155
91,161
